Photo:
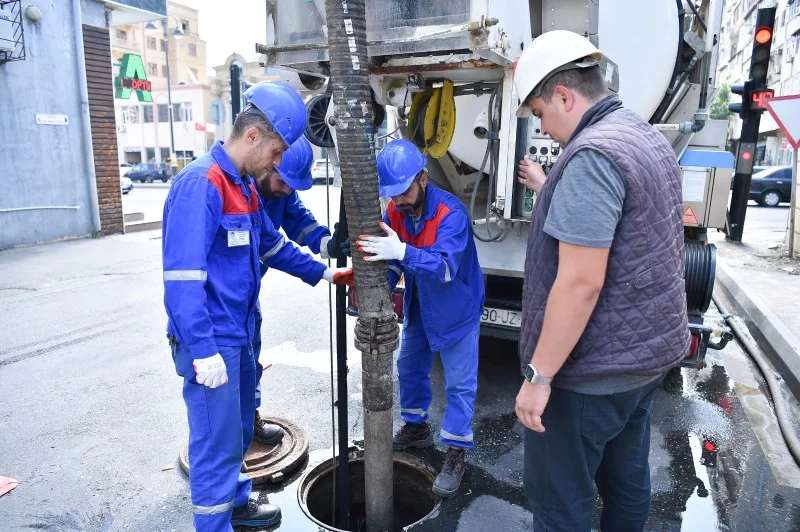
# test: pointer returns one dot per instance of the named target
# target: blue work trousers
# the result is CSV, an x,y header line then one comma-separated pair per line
x,y
460,363
220,431
589,440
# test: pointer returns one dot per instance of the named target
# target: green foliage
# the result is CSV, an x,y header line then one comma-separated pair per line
x,y
719,109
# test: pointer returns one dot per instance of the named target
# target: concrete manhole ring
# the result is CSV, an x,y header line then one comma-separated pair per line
x,y
269,463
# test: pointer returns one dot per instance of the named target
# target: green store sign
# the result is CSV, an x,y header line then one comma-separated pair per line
x,y
132,77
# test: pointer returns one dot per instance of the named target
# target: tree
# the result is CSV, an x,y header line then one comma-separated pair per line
x,y
719,109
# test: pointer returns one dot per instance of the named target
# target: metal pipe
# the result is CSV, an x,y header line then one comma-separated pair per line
x,y
343,478
793,205
86,123
169,101
376,329
41,208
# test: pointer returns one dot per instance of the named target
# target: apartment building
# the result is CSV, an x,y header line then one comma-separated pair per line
x,y
172,48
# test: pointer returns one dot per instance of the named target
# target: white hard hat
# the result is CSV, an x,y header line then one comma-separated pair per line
x,y
551,52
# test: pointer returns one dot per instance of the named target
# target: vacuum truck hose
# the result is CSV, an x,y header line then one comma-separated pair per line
x,y
781,409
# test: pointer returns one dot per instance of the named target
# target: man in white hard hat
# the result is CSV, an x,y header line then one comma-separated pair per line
x,y
604,305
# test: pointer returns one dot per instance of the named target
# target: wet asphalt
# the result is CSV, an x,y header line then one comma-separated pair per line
x,y
92,420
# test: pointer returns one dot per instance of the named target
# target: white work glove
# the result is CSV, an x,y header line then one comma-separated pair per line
x,y
340,276
211,371
388,247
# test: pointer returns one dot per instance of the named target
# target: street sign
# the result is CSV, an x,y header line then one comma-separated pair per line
x,y
786,112
51,120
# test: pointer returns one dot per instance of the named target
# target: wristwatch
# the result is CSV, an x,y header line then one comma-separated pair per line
x,y
532,375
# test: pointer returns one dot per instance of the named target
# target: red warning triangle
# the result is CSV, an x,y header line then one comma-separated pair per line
x,y
689,218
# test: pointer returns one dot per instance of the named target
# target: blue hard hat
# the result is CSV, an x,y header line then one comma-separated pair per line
x,y
295,167
283,107
399,163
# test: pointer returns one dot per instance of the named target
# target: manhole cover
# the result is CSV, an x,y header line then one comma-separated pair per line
x,y
269,463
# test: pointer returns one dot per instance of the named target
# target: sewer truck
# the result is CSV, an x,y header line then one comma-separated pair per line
x,y
441,75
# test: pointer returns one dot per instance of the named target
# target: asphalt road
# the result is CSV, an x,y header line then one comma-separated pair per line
x,y
92,420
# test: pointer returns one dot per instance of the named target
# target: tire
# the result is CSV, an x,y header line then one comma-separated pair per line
x,y
770,198
148,179
164,179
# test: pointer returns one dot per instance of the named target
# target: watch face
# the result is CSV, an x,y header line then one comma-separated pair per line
x,y
529,372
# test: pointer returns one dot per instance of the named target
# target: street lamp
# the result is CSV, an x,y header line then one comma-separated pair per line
x,y
176,32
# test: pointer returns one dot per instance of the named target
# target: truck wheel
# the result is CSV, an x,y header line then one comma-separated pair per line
x,y
771,198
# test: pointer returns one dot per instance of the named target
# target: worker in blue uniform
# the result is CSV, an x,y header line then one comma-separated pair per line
x,y
213,236
281,203
429,241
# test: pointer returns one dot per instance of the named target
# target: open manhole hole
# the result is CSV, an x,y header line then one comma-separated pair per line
x,y
269,463
413,499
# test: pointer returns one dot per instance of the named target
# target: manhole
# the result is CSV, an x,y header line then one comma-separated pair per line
x,y
269,463
413,499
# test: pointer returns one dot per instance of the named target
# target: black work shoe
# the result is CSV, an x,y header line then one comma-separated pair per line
x,y
254,514
413,435
448,481
266,433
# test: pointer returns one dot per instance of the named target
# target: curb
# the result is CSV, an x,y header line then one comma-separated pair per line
x,y
777,341
135,227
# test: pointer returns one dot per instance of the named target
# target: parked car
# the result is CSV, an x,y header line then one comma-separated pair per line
x,y
125,183
149,172
756,170
772,186
318,172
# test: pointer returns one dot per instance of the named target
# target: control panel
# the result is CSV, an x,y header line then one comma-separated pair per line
x,y
534,145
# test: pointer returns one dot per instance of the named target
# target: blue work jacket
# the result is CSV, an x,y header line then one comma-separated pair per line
x,y
214,233
440,269
289,213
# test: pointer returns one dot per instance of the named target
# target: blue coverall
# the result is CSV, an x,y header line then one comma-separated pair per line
x,y
213,236
300,226
442,306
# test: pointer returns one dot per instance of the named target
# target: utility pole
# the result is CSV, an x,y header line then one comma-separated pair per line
x,y
376,329
754,94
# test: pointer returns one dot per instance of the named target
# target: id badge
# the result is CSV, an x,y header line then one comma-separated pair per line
x,y
238,238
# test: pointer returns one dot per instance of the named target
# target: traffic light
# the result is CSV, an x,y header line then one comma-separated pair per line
x,y
762,43
742,109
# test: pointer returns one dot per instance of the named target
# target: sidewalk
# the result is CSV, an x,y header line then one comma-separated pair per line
x,y
763,286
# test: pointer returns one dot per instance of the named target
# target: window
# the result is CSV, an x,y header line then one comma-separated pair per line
x,y
122,35
162,113
147,115
192,49
185,26
130,114
177,112
164,154
152,69
194,71
163,45
151,43
150,154
164,72
187,112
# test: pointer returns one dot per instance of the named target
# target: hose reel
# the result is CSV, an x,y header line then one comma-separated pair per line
x,y
432,119
700,272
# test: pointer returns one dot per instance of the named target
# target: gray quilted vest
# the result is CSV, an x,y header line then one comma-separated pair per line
x,y
639,326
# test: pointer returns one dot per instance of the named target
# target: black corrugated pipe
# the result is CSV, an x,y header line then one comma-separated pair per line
x,y
376,329
700,272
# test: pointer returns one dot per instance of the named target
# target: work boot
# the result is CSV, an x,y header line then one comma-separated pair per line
x,y
448,481
413,435
266,433
254,514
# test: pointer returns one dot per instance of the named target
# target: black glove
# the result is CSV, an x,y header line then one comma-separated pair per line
x,y
338,248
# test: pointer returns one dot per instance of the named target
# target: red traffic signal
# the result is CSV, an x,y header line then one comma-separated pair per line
x,y
763,35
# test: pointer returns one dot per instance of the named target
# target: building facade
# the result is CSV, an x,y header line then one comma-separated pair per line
x,y
58,147
143,129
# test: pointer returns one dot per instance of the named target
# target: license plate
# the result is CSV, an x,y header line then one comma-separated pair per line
x,y
502,317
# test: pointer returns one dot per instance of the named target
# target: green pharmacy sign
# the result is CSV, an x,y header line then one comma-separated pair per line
x,y
132,77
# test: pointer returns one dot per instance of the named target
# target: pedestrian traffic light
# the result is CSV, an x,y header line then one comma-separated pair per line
x,y
745,157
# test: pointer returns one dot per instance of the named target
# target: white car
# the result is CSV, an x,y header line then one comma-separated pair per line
x,y
126,185
318,172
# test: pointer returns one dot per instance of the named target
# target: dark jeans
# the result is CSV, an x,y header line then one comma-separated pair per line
x,y
589,440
